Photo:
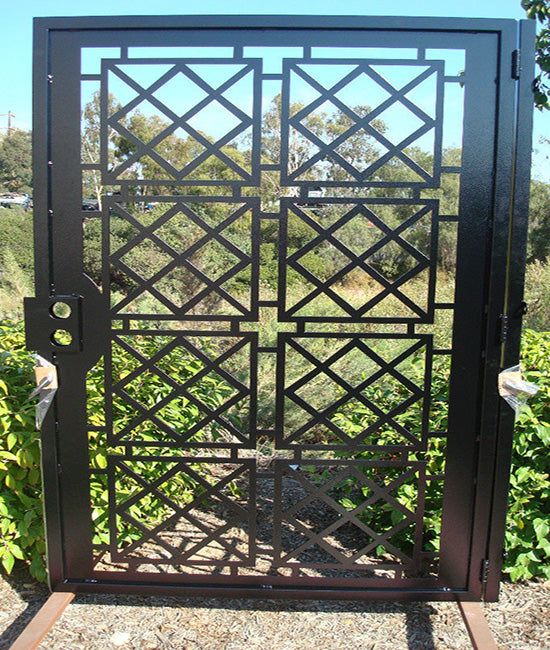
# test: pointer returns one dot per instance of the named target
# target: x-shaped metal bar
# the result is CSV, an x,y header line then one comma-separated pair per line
x,y
181,390
349,516
210,148
239,513
328,149
182,259
358,261
324,416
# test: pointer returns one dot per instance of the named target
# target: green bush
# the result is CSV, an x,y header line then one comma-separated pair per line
x,y
17,236
528,526
15,284
537,295
21,532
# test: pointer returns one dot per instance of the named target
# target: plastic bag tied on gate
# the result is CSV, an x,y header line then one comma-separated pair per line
x,y
513,389
46,387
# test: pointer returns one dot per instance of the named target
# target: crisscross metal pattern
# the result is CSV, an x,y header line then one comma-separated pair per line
x,y
367,176
324,408
287,335
360,210
214,95
159,544
355,556
354,394
191,306
181,391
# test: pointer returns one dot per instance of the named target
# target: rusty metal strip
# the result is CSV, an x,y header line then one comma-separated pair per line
x,y
477,626
43,621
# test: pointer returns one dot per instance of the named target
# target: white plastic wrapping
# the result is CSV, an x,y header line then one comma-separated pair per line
x,y
46,386
513,389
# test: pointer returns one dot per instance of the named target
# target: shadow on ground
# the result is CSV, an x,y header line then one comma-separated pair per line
x,y
417,615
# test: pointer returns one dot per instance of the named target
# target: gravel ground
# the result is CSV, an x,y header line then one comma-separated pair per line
x,y
520,621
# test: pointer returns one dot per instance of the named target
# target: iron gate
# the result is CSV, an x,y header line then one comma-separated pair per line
x,y
281,246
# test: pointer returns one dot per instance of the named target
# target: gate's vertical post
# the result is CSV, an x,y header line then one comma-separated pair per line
x,y
66,242
466,386
494,278
514,297
43,280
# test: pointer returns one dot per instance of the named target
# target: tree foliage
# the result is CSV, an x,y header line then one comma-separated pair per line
x,y
16,162
538,247
90,144
138,129
540,11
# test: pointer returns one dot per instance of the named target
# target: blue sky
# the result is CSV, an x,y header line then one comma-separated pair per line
x,y
16,42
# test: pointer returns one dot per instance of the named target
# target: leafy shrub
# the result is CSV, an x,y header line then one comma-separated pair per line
x,y
538,243
15,284
21,531
17,236
528,527
537,295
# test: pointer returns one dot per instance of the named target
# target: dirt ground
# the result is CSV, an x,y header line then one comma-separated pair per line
x,y
520,621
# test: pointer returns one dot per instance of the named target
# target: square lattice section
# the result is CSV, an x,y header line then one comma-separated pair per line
x,y
194,511
183,98
389,122
182,391
193,258
362,260
352,392
346,515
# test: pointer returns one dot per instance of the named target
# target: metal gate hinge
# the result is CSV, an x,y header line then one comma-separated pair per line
x,y
484,574
503,328
522,309
516,64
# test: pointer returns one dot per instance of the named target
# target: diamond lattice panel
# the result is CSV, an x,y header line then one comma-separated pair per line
x,y
352,392
159,508
274,389
195,118
332,520
362,106
183,391
184,258
363,260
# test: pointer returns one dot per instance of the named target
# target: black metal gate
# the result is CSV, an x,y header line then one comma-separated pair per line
x,y
282,246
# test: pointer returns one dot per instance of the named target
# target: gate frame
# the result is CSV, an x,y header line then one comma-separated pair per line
x,y
503,276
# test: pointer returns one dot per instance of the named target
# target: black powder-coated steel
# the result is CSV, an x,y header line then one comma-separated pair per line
x,y
492,217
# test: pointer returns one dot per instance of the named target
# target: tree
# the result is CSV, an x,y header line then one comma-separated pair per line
x,y
538,243
540,11
176,150
357,149
90,145
16,162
